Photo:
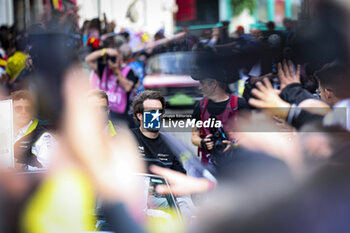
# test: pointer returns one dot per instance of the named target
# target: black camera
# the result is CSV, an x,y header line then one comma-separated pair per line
x,y
112,59
218,136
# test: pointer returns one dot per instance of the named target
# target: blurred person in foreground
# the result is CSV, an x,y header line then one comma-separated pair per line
x,y
113,75
33,143
87,163
318,203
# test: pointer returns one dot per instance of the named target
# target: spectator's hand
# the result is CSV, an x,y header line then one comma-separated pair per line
x,y
229,145
111,163
111,52
180,184
268,99
114,66
254,80
287,75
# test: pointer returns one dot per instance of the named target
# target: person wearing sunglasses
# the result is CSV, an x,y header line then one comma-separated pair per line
x,y
151,142
99,101
33,143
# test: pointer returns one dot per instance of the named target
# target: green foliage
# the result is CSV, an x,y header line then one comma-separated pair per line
x,y
238,6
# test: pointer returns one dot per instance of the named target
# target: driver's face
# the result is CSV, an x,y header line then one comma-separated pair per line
x,y
101,107
23,112
151,105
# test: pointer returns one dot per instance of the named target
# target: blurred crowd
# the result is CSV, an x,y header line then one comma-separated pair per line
x,y
276,162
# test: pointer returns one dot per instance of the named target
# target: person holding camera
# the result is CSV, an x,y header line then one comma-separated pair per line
x,y
217,104
113,75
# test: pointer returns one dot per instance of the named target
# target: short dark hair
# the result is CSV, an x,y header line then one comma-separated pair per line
x,y
137,104
335,77
221,84
101,94
23,94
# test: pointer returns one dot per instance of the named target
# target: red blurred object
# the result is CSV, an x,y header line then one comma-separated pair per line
x,y
240,28
94,42
57,4
279,11
186,10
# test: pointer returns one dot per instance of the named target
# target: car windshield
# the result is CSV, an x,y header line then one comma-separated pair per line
x,y
170,63
155,200
159,206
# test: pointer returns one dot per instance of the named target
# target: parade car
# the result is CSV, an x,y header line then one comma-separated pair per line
x,y
170,73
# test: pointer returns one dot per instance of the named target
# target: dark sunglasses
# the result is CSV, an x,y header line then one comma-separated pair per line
x,y
153,110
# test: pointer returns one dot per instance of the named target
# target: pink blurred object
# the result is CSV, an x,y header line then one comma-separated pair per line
x,y
162,80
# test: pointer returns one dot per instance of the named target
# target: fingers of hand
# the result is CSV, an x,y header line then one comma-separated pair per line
x,y
227,147
261,87
268,84
281,72
170,175
207,140
285,69
259,94
257,103
269,75
162,189
298,72
210,145
291,68
110,63
277,92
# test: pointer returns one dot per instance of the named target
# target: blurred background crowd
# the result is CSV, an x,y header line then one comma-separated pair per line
x,y
79,79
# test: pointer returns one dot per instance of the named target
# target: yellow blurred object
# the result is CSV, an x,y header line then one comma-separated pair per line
x,y
145,37
15,64
167,222
3,62
57,5
111,129
241,85
64,202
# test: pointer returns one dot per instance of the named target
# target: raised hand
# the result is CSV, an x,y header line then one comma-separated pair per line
x,y
110,162
267,99
287,75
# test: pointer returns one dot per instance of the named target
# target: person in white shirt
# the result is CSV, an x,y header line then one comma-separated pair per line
x,y
33,143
